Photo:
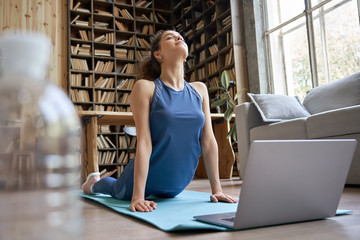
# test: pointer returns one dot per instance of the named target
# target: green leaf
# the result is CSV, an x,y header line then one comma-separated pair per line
x,y
225,79
232,103
228,113
234,135
218,102
238,94
213,89
224,96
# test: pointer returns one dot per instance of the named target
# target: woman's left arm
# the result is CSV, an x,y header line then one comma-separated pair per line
x,y
210,149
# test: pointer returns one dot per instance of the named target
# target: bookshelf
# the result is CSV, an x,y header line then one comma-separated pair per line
x,y
207,28
106,41
107,38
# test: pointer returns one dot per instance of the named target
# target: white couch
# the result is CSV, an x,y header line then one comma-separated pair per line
x,y
329,111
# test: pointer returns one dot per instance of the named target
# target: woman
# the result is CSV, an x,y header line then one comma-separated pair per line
x,y
173,125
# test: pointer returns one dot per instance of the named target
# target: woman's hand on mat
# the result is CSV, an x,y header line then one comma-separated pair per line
x,y
142,205
221,197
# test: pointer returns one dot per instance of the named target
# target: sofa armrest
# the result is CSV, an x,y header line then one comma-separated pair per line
x,y
246,117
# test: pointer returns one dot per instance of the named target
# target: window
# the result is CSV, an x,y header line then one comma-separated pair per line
x,y
310,43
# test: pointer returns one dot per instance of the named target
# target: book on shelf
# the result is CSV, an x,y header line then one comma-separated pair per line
x,y
133,143
124,98
143,3
121,26
123,109
229,58
121,52
79,95
142,17
84,10
226,21
202,56
200,25
214,82
202,39
189,33
76,18
122,142
103,52
81,22
102,108
76,5
122,42
102,12
201,73
101,143
126,84
122,158
101,24
229,38
162,18
143,43
104,67
83,49
77,80
139,55
130,54
79,64
125,13
105,38
84,35
104,96
104,128
212,68
110,142
213,49
104,82
105,173
128,68
106,157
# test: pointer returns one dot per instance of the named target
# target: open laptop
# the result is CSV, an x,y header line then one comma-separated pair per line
x,y
289,181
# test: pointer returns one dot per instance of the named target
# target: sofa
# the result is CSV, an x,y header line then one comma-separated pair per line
x,y
331,111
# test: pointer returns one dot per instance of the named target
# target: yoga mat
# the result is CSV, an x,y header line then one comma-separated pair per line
x,y
175,214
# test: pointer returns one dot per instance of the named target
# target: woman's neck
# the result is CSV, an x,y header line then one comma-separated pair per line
x,y
172,74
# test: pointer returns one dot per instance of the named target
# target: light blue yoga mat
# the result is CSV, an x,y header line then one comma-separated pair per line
x,y
175,214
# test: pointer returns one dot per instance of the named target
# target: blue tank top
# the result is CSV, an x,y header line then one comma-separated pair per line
x,y
176,123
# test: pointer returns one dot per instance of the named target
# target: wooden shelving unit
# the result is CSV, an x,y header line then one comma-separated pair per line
x,y
207,28
104,46
106,41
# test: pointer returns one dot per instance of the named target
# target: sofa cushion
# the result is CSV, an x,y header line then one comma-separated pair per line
x,y
334,123
291,129
275,107
338,94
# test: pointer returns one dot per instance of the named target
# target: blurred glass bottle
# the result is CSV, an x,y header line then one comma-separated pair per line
x,y
39,146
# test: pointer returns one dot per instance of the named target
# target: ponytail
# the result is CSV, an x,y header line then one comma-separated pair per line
x,y
149,67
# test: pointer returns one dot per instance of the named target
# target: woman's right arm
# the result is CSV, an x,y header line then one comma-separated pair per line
x,y
140,99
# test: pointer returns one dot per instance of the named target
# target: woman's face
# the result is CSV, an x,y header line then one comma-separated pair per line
x,y
173,43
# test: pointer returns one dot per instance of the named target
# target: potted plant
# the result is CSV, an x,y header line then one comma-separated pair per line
x,y
226,99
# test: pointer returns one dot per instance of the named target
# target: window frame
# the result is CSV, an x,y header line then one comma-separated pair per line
x,y
309,22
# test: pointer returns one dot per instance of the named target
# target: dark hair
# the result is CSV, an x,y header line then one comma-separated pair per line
x,y
149,67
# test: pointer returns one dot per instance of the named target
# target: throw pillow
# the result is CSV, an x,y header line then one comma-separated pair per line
x,y
275,107
339,94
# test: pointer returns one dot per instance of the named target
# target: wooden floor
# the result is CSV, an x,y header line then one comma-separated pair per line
x,y
102,223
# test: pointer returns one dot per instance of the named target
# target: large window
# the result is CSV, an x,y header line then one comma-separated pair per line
x,y
310,43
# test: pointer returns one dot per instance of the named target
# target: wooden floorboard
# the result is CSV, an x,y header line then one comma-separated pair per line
x,y
103,223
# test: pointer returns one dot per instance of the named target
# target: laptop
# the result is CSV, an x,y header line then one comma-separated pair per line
x,y
288,181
